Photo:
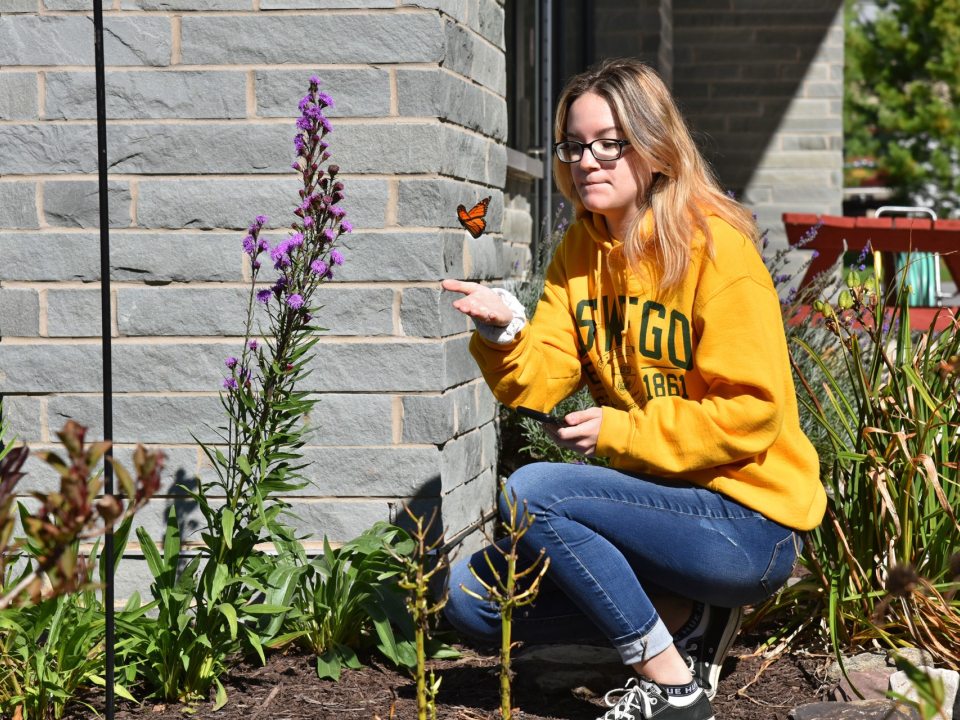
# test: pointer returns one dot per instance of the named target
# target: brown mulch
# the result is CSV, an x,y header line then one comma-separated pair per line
x,y
287,688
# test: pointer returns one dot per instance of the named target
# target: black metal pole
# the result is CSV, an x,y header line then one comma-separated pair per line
x,y
106,345
546,117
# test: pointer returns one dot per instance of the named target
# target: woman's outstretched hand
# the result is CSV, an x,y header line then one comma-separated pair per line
x,y
479,302
580,432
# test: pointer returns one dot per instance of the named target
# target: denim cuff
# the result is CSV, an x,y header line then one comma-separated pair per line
x,y
650,645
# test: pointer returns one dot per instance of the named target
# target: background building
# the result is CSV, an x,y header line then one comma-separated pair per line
x,y
437,103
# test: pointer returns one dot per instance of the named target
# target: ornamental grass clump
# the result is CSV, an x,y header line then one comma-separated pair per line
x,y
890,408
231,598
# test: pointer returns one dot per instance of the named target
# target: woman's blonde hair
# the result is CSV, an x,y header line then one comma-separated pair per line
x,y
682,194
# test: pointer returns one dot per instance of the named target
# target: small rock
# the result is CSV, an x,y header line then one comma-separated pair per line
x,y
900,683
915,656
871,684
857,663
857,710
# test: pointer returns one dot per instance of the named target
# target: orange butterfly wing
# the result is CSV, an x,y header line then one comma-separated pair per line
x,y
474,218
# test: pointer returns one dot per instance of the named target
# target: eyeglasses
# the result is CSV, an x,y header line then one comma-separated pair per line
x,y
603,149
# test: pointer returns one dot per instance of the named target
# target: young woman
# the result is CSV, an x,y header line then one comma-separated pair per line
x,y
658,300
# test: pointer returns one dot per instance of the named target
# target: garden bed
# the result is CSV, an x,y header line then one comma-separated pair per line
x,y
287,688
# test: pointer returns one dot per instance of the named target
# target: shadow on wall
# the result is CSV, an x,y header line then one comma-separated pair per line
x,y
741,65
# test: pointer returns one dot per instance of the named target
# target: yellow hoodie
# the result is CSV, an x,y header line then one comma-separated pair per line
x,y
693,385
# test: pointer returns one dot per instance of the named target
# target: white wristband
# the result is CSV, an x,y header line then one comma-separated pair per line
x,y
497,333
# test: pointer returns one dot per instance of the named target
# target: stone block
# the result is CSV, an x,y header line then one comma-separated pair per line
x,y
340,519
327,4
74,313
361,38
51,40
19,312
468,55
483,258
51,367
64,257
18,96
415,148
219,203
25,147
463,155
156,419
466,504
429,418
200,148
475,406
176,257
23,415
433,202
490,21
135,95
459,365
362,92
171,367
429,312
18,203
403,255
372,471
351,419
76,203
176,5
462,459
150,257
376,367
18,6
439,93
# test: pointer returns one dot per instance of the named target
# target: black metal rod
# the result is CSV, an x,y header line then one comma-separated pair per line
x,y
105,316
546,115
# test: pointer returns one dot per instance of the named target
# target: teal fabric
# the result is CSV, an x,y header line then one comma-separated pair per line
x,y
921,277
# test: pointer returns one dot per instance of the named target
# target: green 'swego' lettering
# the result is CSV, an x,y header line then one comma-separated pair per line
x,y
657,328
655,352
586,322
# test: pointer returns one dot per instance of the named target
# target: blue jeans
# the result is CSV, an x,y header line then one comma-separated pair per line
x,y
613,539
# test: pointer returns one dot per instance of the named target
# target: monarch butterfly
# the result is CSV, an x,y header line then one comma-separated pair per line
x,y
473,219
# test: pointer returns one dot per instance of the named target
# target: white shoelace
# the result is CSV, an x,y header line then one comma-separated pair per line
x,y
639,695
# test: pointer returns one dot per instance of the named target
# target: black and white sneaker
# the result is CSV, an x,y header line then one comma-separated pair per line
x,y
644,699
708,644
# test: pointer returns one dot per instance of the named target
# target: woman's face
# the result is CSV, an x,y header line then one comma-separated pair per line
x,y
614,189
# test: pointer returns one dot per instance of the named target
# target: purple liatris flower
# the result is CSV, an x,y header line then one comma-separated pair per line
x,y
252,345
249,245
318,267
295,240
329,235
295,301
336,257
230,362
346,226
230,383
264,296
261,220
336,211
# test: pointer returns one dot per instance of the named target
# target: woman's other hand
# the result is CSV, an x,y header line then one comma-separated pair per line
x,y
580,432
479,302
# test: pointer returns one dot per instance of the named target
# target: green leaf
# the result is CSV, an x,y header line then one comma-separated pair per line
x,y
230,613
328,665
228,518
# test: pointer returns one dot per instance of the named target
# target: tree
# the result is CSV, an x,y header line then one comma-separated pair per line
x,y
902,97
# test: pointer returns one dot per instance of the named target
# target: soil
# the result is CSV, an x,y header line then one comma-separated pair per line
x,y
287,688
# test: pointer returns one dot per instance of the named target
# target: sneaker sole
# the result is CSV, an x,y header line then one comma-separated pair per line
x,y
723,647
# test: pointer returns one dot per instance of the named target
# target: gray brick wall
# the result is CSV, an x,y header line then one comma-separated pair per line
x,y
201,96
762,86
